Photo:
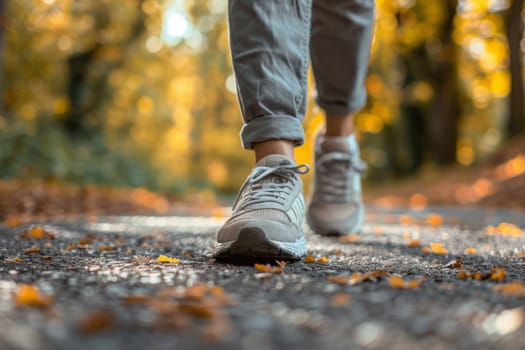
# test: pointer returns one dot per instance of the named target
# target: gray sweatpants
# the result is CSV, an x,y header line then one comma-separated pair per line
x,y
272,42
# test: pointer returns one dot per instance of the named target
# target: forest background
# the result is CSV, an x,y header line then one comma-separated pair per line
x,y
141,92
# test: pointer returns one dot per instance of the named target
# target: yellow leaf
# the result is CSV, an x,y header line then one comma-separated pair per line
x,y
504,229
168,260
322,260
28,295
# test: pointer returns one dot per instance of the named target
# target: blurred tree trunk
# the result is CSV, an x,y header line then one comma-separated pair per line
x,y
3,20
446,108
516,121
87,91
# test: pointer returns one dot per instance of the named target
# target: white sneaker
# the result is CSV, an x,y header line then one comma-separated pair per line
x,y
266,222
336,206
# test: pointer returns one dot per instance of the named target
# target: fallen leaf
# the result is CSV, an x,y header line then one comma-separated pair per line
x,y
498,274
357,278
85,241
105,248
470,250
96,322
417,201
406,220
12,221
379,230
406,235
515,288
309,259
396,281
15,259
268,268
349,238
37,232
463,275
338,252
321,260
28,295
434,220
414,243
504,229
435,248
33,249
340,299
167,260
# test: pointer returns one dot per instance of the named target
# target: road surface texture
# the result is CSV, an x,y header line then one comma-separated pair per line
x,y
430,279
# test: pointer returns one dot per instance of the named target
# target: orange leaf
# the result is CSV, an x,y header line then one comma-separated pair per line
x,y
33,249
12,221
406,220
340,299
414,243
15,259
470,250
37,232
349,238
436,248
309,259
514,288
498,274
398,282
28,295
418,201
105,248
434,220
463,275
268,268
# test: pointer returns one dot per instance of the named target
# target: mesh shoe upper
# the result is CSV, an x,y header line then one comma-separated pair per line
x,y
336,205
271,199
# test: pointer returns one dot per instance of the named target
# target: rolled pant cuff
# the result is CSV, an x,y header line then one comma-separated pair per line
x,y
274,127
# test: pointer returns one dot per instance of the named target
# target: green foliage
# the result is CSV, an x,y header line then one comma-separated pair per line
x,y
43,150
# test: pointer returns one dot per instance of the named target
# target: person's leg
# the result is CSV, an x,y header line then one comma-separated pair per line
x,y
341,35
270,52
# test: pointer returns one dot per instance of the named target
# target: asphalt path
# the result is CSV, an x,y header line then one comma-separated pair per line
x,y
432,279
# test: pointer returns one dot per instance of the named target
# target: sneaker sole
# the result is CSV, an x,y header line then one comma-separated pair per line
x,y
352,229
253,244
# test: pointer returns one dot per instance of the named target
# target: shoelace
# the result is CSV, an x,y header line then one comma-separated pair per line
x,y
336,172
275,189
